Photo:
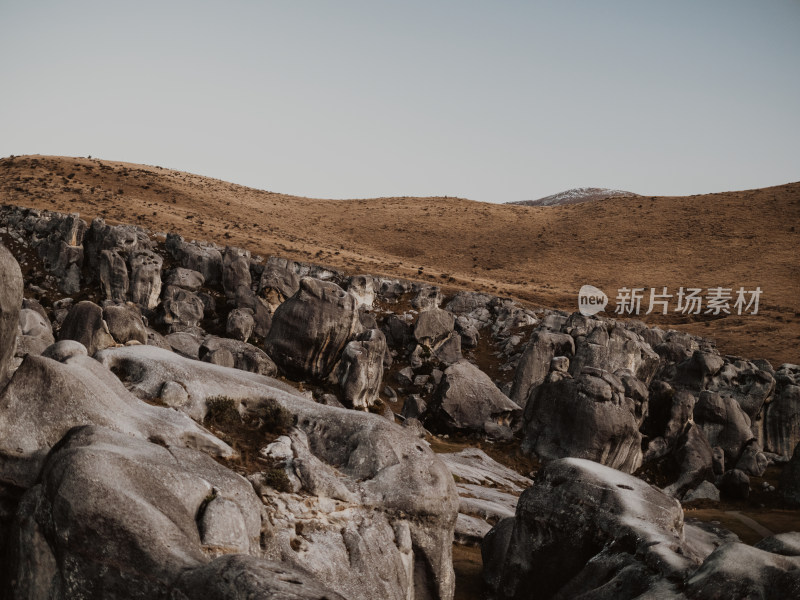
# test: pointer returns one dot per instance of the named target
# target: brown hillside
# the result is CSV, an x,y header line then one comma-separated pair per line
x,y
540,255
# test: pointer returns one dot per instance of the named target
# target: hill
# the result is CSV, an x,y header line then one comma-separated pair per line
x,y
576,196
541,255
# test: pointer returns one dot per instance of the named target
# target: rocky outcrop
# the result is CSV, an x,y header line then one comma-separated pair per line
x,y
35,333
65,388
85,324
181,308
402,489
120,517
310,330
360,370
591,416
241,355
145,268
534,365
10,305
467,400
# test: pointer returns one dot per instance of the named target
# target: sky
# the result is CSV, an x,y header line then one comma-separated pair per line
x,y
493,101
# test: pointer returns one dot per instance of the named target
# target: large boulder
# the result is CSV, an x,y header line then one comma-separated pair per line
x,y
125,323
204,258
781,423
724,423
279,281
113,273
467,400
534,365
244,356
360,370
399,485
48,396
120,517
585,530
85,324
35,333
10,304
181,308
310,330
590,416
145,268
235,270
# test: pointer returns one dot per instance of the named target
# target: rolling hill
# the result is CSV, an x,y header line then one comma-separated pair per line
x,y
541,255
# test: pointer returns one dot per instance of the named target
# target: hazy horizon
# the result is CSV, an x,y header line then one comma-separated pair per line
x,y
494,103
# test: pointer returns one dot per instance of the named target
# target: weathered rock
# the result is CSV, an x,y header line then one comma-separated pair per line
x,y
10,305
428,297
534,365
185,278
362,287
279,281
360,370
145,268
781,423
235,270
310,330
619,349
198,257
790,479
46,398
240,324
705,491
724,423
740,571
181,307
433,326
585,417
35,333
232,577
735,484
85,324
184,343
467,399
474,466
244,356
119,517
407,502
753,461
125,323
694,460
246,299
586,529
113,276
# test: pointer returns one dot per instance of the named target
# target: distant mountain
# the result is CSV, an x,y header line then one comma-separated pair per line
x,y
575,196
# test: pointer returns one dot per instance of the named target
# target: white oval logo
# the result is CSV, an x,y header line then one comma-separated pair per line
x,y
591,300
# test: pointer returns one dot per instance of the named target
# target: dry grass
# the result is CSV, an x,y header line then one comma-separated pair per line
x,y
539,255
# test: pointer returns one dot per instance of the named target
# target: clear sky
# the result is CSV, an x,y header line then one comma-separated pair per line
x,y
494,101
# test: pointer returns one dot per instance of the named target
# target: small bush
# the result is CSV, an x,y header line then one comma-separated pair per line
x,y
222,412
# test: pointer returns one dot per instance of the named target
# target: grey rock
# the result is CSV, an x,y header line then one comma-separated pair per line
x,y
360,370
694,459
84,323
753,461
414,407
724,423
35,333
278,281
310,330
10,305
125,323
428,297
584,417
735,484
534,365
244,356
181,307
466,400
237,576
145,269
781,421
704,491
235,270
113,273
240,324
433,326
46,398
246,299
117,517
184,343
789,486
187,279
583,526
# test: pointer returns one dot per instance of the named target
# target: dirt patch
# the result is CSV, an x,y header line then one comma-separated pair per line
x,y
468,566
